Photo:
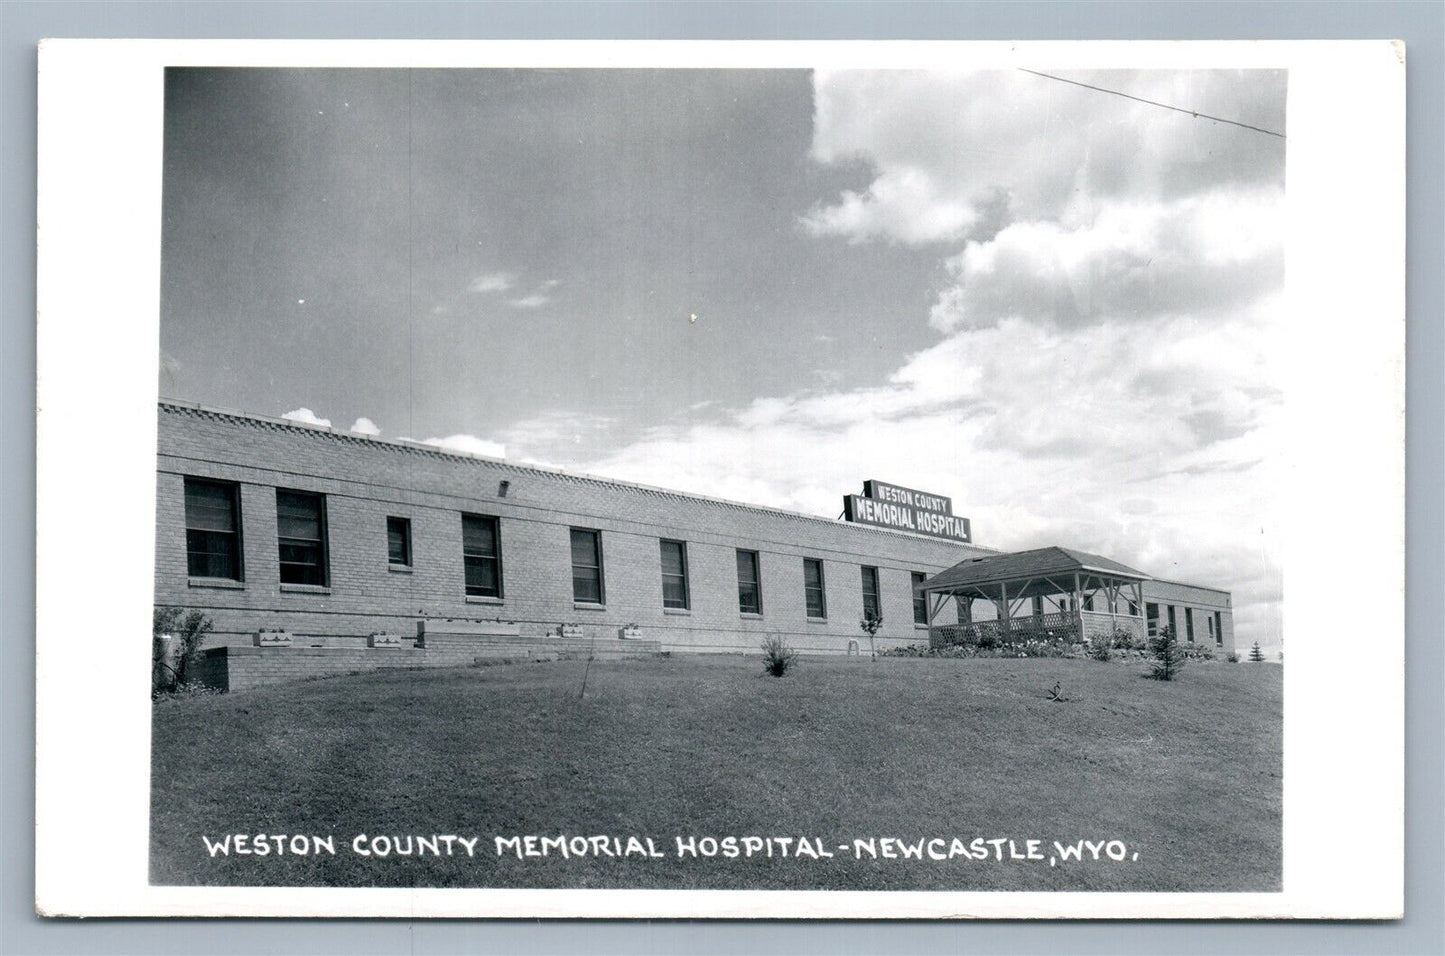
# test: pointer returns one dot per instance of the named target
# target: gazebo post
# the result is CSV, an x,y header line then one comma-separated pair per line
x,y
1003,605
1078,607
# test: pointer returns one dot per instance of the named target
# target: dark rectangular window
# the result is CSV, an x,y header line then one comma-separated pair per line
x,y
1173,623
301,535
750,591
398,542
1189,623
920,601
213,529
1218,629
482,556
1088,602
586,566
1151,614
674,575
813,595
872,611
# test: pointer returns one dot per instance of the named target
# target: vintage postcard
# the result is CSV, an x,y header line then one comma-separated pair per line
x,y
721,479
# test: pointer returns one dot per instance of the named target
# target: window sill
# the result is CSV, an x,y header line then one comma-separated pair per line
x,y
399,568
817,620
305,588
750,616
919,626
678,611
227,583
588,606
480,599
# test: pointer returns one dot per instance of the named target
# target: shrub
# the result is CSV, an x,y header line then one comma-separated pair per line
x,y
1168,657
1198,652
1256,656
176,639
1233,657
1036,647
1100,648
777,656
1124,639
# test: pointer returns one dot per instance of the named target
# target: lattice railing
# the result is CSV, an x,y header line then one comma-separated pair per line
x,y
1059,626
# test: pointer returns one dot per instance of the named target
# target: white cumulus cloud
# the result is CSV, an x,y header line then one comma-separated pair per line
x,y
942,148
1201,255
492,282
470,445
306,417
365,426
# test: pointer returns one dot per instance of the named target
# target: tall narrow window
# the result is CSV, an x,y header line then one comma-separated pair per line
x,y
586,566
813,596
301,536
750,591
1151,615
920,601
213,529
1189,623
872,610
398,542
674,575
1209,624
1173,623
1218,629
482,556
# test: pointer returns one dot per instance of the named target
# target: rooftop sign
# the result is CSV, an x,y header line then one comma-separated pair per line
x,y
906,509
922,500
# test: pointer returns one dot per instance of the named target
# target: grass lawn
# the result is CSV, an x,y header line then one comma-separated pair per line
x,y
1186,774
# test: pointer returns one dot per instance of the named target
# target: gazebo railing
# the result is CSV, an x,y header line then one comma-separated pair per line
x,y
1059,626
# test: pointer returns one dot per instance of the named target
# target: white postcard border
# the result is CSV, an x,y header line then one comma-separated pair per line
x,y
98,301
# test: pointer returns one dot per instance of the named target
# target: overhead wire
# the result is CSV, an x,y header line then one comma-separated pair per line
x,y
1139,99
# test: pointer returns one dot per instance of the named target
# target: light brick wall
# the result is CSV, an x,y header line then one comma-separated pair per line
x,y
1204,601
365,480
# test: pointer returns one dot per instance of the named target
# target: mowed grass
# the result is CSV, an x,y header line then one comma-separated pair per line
x,y
1185,774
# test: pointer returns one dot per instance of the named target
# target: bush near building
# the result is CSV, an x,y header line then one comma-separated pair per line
x,y
176,639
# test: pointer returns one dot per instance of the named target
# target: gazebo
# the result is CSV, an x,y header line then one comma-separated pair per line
x,y
1045,594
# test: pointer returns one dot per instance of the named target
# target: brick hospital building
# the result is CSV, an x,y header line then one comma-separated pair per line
x,y
315,551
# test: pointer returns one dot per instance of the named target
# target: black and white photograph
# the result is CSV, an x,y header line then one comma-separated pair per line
x,y
539,454
732,477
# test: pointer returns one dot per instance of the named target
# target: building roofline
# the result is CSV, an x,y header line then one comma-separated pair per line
x,y
1191,584
411,445
1083,562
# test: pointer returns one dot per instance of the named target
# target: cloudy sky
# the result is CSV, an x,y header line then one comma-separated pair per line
x,y
1058,306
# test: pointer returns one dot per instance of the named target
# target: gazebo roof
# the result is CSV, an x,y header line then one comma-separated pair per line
x,y
1026,566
